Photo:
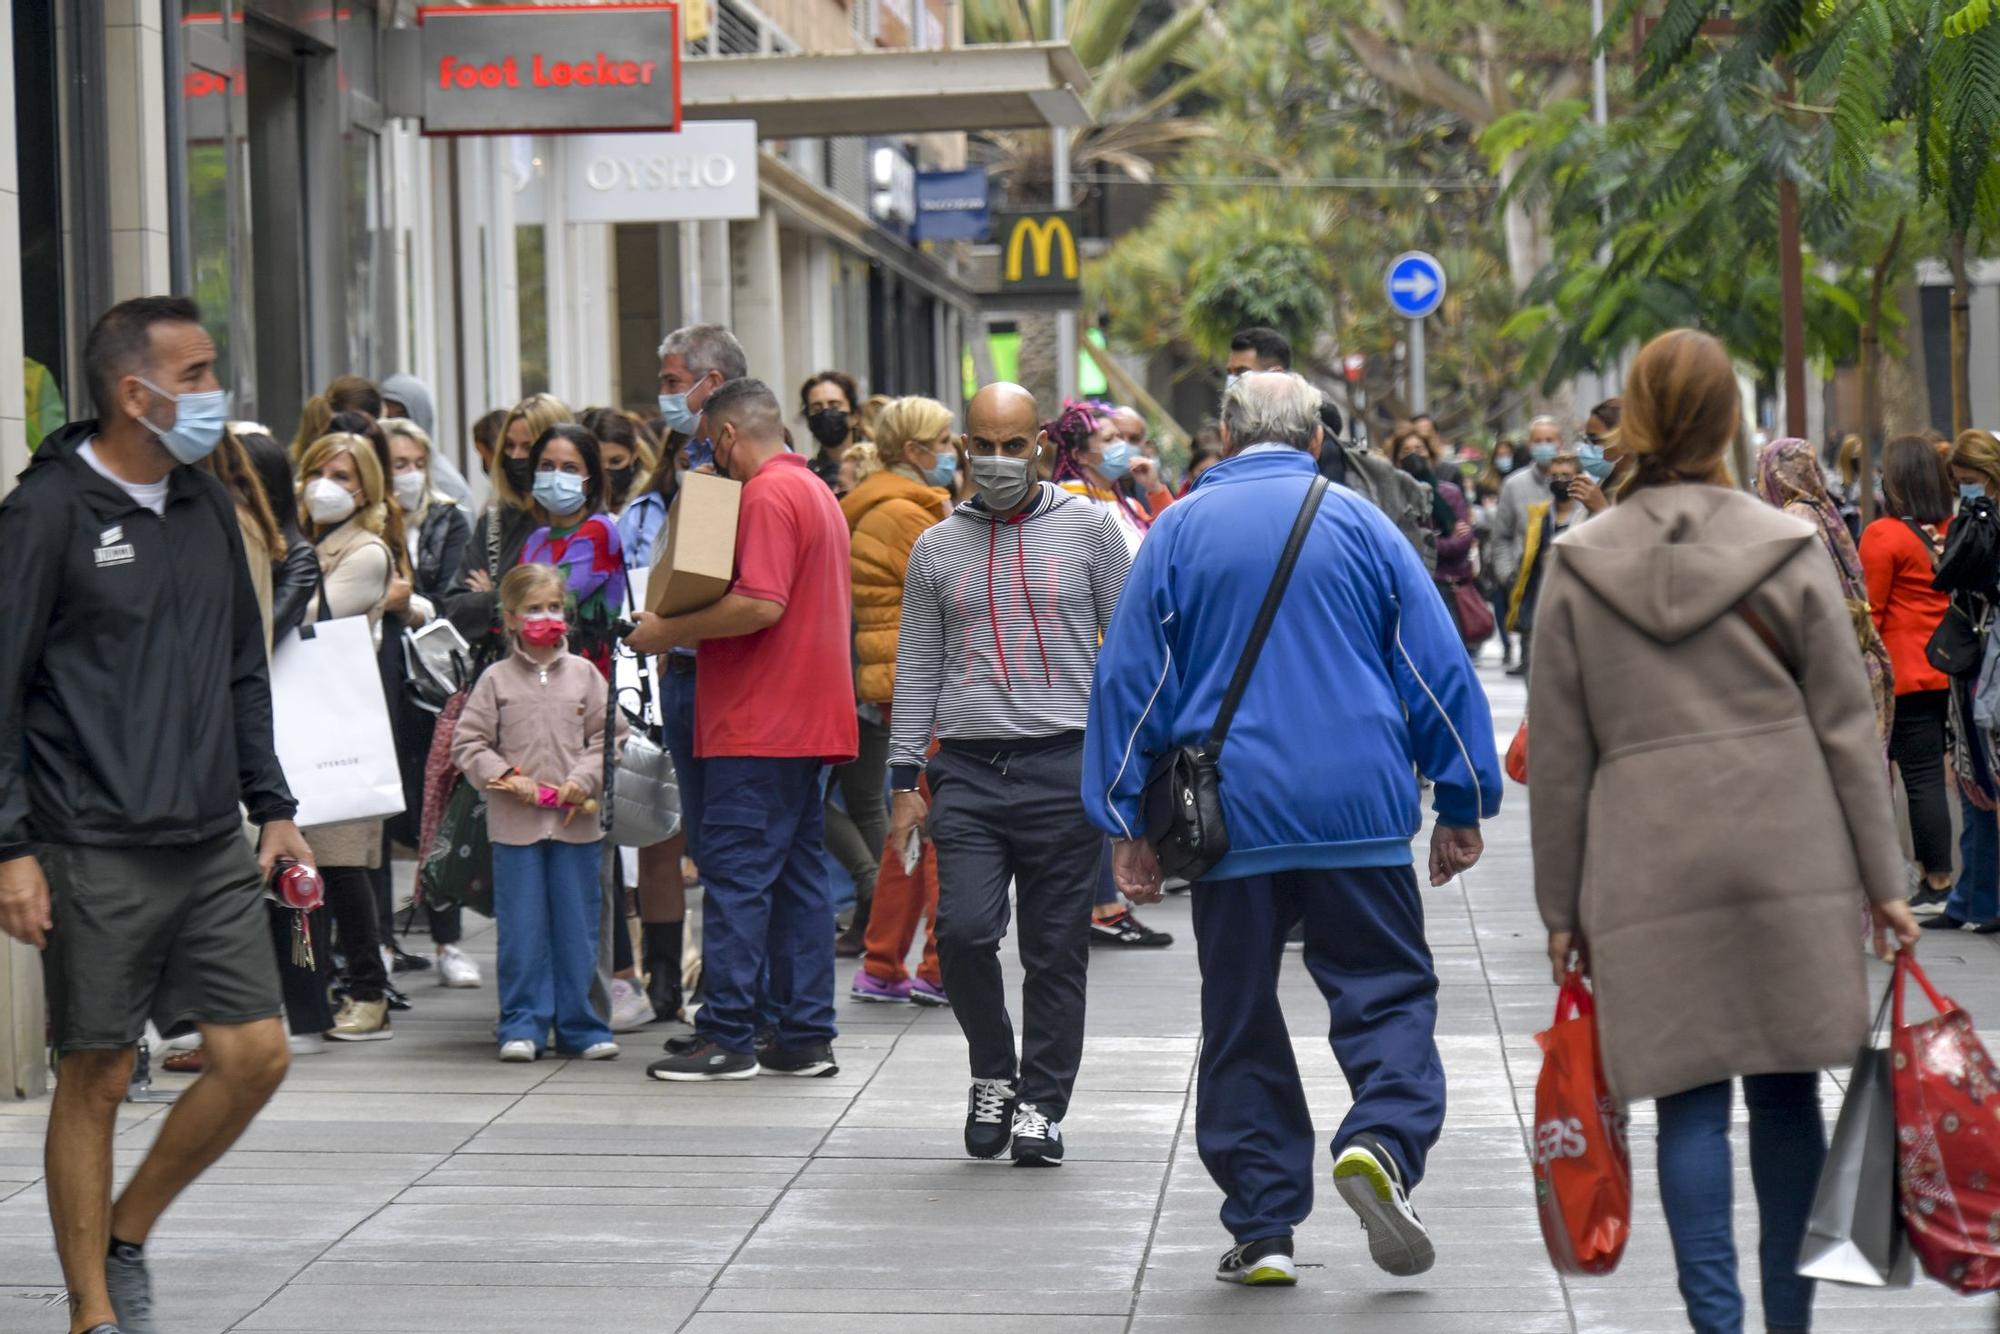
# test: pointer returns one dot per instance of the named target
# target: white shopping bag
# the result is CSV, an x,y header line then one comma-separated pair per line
x,y
332,724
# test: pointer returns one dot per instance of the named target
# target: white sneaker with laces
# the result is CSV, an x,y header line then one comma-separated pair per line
x,y
601,1051
518,1052
456,969
629,1007
307,1044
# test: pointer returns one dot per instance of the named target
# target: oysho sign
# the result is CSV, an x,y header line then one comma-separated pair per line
x,y
707,172
528,69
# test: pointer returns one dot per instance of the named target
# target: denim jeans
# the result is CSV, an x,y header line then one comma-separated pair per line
x,y
1787,1149
1976,896
547,905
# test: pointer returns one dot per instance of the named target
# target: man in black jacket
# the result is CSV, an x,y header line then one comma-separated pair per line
x,y
135,726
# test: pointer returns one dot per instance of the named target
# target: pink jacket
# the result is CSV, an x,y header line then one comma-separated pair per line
x,y
548,722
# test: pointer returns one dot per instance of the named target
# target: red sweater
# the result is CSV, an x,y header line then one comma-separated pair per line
x,y
1907,609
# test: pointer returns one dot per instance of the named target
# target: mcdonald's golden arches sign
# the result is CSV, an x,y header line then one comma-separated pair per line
x,y
1039,252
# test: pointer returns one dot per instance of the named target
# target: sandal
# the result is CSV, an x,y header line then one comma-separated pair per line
x,y
189,1062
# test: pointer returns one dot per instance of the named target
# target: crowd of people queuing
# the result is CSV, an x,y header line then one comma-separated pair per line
x,y
972,664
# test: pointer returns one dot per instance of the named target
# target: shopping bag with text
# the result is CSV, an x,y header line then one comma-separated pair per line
x,y
1583,1168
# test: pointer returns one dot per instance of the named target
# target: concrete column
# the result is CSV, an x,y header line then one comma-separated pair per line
x,y
757,275
1986,356
135,91
715,292
595,320
819,312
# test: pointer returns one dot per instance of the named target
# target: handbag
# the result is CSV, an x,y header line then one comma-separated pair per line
x,y
642,791
458,869
1182,799
330,723
437,664
1475,615
1583,1164
1853,1234
1953,647
1948,1143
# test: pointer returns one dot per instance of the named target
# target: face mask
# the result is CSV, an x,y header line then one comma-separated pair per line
x,y
197,427
620,480
410,489
1559,487
559,492
1003,482
543,629
1504,464
1591,459
943,471
680,417
1542,454
1229,380
1116,460
828,426
327,501
1971,491
1416,465
520,474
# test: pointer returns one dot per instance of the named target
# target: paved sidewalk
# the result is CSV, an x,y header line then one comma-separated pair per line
x,y
418,1185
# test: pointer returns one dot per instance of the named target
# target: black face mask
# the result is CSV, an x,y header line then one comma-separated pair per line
x,y
620,481
1559,487
1417,466
828,426
520,474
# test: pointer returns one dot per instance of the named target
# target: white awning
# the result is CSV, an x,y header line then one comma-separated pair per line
x,y
1017,85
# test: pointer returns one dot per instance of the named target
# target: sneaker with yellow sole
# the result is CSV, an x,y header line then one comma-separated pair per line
x,y
1368,1179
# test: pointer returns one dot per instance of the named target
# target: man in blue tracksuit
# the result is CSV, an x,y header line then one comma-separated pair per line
x,y
1362,685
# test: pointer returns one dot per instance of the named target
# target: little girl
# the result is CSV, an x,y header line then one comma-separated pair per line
x,y
532,735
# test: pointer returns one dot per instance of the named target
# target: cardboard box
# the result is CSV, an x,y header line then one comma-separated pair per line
x,y
697,560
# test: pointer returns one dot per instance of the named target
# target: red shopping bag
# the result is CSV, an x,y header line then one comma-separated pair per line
x,y
1517,755
1947,1098
1583,1170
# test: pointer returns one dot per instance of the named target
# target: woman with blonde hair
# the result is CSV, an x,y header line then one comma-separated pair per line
x,y
344,499
503,527
886,513
1697,687
315,418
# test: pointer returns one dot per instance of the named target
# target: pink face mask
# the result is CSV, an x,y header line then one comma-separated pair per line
x,y
543,630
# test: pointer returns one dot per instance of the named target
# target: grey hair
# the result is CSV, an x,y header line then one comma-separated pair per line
x,y
1547,420
1271,407
705,348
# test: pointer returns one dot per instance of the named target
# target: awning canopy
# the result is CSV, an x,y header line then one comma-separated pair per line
x,y
1008,86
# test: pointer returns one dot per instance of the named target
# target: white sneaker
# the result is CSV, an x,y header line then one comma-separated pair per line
x,y
629,1007
307,1044
601,1051
518,1052
1369,1180
456,968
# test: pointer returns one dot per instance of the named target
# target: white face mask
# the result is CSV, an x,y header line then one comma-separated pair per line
x,y
411,488
327,501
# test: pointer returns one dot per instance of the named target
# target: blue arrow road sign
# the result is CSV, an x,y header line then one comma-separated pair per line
x,y
1415,284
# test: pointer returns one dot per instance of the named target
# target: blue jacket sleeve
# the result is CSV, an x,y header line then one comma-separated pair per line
x,y
1451,725
1134,696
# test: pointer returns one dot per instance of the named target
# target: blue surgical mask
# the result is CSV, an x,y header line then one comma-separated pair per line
x,y
944,470
679,416
1970,491
1229,380
1542,454
198,421
1591,459
559,493
1116,461
1504,464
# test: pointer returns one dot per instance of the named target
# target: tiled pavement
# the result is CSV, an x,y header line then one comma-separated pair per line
x,y
418,1185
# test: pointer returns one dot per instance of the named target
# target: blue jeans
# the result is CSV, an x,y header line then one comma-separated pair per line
x,y
1365,950
546,906
1787,1149
1976,896
767,906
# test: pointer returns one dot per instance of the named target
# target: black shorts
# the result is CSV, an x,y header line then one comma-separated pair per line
x,y
176,935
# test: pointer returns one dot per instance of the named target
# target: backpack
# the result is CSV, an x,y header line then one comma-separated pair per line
x,y
1402,497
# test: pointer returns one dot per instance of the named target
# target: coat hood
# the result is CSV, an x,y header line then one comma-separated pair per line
x,y
1674,560
887,485
415,396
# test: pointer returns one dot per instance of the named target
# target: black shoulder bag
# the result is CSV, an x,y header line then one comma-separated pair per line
x,y
1954,647
1182,800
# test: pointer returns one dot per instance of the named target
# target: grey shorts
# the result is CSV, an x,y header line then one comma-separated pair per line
x,y
176,935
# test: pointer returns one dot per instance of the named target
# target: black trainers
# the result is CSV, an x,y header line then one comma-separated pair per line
x,y
130,1288
697,1060
1371,1183
989,1117
813,1061
1125,929
1259,1264
1037,1140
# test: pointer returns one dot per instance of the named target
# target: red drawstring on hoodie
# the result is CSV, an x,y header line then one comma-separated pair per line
x,y
992,606
1021,565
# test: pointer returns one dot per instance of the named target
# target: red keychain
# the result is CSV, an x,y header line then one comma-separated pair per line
x,y
298,887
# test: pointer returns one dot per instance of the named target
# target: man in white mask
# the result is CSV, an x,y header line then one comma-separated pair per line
x,y
1523,487
1006,600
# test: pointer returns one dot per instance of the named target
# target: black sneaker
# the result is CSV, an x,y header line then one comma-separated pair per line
x,y
402,961
130,1288
1126,929
814,1061
398,1002
697,1060
1037,1140
1944,921
1371,1183
989,1117
1259,1264
1925,899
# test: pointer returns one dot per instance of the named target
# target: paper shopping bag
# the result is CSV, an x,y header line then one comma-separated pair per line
x,y
331,724
1854,1234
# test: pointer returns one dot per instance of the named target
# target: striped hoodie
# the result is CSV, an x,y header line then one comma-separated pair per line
x,y
1001,623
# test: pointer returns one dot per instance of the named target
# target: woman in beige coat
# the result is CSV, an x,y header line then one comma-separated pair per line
x,y
342,495
1697,694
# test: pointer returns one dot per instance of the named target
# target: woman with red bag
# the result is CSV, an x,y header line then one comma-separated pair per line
x,y
1722,696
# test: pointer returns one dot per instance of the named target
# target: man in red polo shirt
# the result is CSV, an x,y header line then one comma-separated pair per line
x,y
774,705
